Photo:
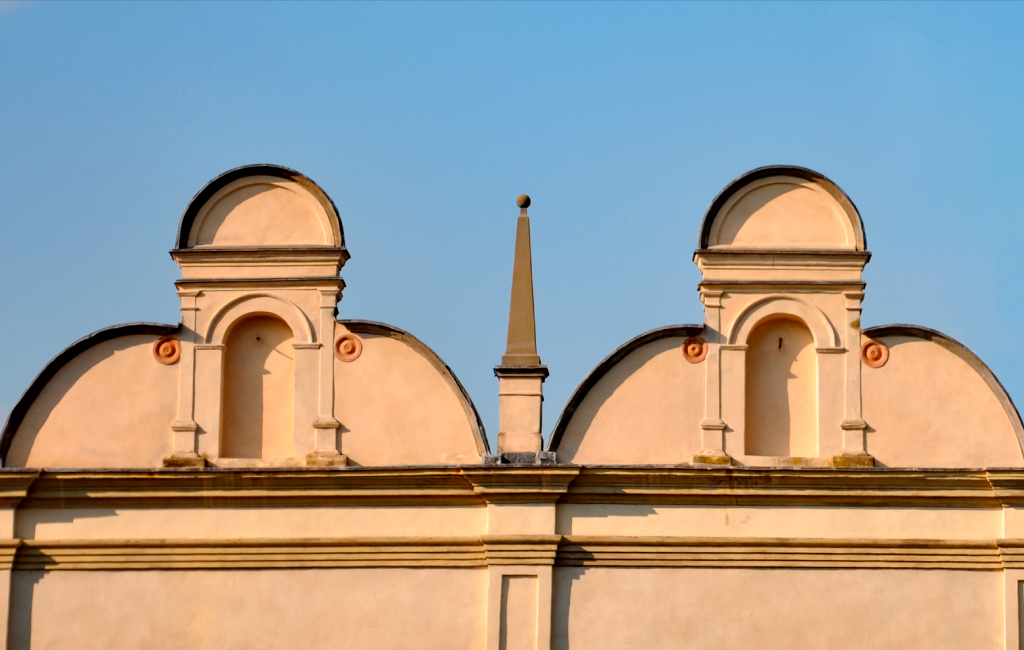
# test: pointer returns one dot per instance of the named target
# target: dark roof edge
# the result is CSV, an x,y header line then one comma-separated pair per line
x,y
758,174
188,217
21,407
606,364
965,353
383,329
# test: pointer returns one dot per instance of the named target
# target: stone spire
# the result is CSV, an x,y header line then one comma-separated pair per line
x,y
521,375
521,349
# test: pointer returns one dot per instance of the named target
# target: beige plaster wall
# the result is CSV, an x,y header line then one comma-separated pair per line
x,y
646,410
597,608
247,523
112,406
269,609
927,407
794,522
397,408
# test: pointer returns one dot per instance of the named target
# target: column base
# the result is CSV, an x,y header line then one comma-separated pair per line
x,y
326,459
185,459
712,457
853,460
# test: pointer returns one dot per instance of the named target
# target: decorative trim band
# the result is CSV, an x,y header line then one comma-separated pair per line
x,y
780,553
830,350
85,555
478,552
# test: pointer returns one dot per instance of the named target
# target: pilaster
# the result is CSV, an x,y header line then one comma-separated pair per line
x,y
712,426
520,545
854,452
325,447
184,429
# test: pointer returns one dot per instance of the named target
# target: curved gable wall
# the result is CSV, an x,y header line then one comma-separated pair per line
x,y
102,402
935,404
207,198
642,404
106,402
782,207
399,404
262,211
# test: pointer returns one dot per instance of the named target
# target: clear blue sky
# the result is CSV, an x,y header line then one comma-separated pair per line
x,y
424,121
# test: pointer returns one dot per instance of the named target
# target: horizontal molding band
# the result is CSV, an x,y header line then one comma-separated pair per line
x,y
780,553
478,485
477,552
249,554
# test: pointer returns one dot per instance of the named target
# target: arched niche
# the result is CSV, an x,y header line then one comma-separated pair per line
x,y
782,208
824,334
258,393
261,206
781,403
259,303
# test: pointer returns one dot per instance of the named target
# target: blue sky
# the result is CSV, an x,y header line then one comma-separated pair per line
x,y
424,121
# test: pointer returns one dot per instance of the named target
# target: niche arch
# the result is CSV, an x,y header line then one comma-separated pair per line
x,y
259,303
778,306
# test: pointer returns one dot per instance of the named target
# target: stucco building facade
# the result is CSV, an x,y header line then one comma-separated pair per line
x,y
265,475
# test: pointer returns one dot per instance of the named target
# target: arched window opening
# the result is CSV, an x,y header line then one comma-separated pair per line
x,y
259,387
781,390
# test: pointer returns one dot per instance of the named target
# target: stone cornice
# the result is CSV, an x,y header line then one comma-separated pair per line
x,y
296,487
477,485
521,484
305,282
784,487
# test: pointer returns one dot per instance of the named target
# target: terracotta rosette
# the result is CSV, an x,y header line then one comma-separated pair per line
x,y
348,347
167,350
875,354
695,349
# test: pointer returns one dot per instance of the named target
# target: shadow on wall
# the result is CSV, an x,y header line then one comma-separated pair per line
x,y
751,204
19,629
23,583
566,577
599,511
30,519
564,580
